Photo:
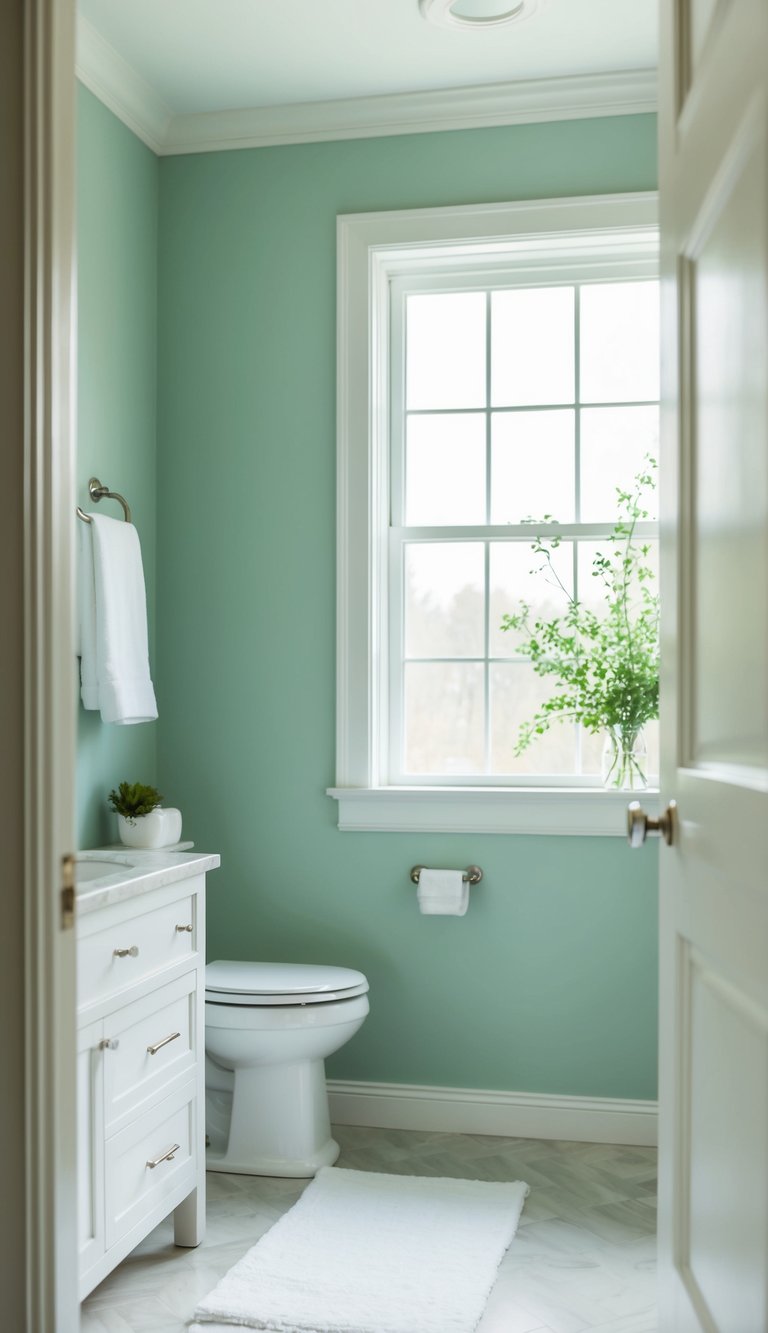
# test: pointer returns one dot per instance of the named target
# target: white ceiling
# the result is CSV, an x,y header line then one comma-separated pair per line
x,y
216,55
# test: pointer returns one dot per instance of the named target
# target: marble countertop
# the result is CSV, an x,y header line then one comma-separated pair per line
x,y
107,875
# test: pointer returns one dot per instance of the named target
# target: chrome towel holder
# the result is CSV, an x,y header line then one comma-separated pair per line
x,y
97,492
472,874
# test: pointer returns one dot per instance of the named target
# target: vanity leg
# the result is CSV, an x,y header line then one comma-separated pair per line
x,y
189,1220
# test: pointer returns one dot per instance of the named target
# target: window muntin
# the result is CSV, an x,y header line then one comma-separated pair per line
x,y
517,414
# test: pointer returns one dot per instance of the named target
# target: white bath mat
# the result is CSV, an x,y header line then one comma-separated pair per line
x,y
367,1253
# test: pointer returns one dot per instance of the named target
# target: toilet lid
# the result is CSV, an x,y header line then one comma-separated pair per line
x,y
228,982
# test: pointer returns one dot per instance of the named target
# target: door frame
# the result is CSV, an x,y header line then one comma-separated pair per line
x,y
49,662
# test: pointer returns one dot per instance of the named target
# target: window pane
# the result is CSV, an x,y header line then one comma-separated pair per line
x,y
591,587
444,599
516,693
592,755
619,342
532,466
532,358
614,444
515,576
445,469
445,350
444,718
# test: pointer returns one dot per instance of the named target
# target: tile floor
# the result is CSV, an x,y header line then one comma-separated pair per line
x,y
583,1257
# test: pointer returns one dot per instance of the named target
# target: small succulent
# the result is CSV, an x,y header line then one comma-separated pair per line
x,y
133,799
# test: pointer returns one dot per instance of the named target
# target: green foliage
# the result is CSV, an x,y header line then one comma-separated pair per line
x,y
605,667
133,799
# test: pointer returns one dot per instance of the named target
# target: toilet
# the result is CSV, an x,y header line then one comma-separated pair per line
x,y
268,1030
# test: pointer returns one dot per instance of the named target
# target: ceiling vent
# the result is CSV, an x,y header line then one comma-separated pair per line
x,y
476,14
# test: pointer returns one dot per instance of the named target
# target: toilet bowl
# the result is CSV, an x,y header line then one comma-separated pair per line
x,y
268,1030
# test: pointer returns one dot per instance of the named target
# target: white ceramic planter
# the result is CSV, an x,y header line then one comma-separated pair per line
x,y
160,828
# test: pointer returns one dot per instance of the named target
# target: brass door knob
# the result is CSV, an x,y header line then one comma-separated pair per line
x,y
639,824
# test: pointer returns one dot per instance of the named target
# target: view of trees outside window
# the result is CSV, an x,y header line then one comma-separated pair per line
x,y
519,403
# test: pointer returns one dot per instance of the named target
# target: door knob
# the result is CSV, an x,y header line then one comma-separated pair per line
x,y
639,824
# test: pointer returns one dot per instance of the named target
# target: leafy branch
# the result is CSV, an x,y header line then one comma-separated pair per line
x,y
605,668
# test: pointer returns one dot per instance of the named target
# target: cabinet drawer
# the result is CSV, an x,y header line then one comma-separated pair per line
x,y
149,1046
134,1188
126,951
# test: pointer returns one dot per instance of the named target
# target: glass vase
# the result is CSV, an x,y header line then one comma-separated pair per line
x,y
625,760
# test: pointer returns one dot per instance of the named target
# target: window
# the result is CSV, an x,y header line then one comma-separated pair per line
x,y
508,402
495,365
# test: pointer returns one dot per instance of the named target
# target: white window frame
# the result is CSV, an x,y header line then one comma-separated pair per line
x,y
606,235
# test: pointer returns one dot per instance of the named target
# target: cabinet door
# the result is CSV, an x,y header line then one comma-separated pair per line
x,y
90,1146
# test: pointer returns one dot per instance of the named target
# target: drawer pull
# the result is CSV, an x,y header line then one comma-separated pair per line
x,y
181,929
108,1044
164,1157
133,952
152,1050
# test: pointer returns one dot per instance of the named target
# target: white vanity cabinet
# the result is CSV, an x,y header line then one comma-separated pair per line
x,y
141,1100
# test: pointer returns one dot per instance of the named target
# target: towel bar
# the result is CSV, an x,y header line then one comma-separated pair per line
x,y
472,874
98,492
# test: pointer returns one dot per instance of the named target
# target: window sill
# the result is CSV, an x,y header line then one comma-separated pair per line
x,y
565,811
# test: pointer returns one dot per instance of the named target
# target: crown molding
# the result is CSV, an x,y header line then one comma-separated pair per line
x,y
141,108
416,113
110,78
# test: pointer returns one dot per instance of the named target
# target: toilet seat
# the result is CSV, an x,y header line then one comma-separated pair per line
x,y
230,982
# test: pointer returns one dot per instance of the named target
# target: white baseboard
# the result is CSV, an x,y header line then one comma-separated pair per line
x,y
523,1115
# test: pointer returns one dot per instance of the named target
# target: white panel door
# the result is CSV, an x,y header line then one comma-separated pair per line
x,y
713,1220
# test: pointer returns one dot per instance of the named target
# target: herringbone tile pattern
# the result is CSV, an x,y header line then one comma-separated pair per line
x,y
583,1257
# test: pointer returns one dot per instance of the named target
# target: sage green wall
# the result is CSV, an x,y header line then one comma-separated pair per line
x,y
117,201
549,983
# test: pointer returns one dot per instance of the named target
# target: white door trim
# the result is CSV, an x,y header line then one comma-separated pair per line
x,y
49,662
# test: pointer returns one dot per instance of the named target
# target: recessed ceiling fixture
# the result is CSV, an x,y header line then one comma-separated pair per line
x,y
477,14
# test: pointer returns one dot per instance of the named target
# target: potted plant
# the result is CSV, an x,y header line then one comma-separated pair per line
x,y
142,820
605,668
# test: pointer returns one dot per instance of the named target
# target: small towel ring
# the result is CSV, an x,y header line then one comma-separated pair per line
x,y
99,492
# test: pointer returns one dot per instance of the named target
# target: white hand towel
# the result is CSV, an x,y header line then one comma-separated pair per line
x,y
86,605
123,688
442,892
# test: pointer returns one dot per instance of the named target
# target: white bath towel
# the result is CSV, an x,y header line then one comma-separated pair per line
x,y
114,663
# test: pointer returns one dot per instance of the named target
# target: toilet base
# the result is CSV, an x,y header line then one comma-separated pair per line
x,y
274,1166
275,1122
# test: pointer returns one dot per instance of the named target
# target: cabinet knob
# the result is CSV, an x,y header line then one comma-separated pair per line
x,y
181,929
133,952
108,1044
